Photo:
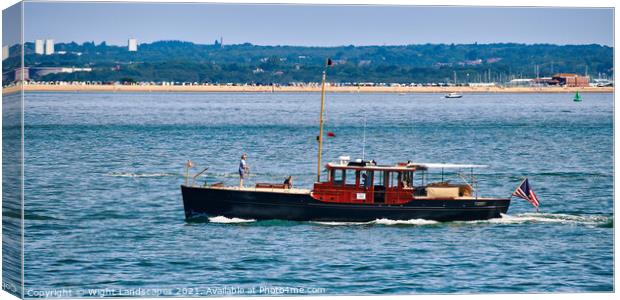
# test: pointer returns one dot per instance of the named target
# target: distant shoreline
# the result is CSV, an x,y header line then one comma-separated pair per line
x,y
294,89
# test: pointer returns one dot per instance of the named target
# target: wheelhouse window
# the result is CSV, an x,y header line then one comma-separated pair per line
x,y
379,179
339,176
349,177
393,179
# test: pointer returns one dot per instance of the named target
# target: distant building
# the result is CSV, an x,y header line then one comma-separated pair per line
x,y
22,74
5,52
42,71
39,47
600,82
132,45
546,81
520,82
474,62
482,84
364,62
49,47
572,80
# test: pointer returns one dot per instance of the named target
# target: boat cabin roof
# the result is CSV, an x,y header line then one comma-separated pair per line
x,y
399,167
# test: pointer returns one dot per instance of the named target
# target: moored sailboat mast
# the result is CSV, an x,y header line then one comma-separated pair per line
x,y
321,120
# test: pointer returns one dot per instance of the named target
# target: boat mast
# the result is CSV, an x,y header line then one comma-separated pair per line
x,y
320,137
364,141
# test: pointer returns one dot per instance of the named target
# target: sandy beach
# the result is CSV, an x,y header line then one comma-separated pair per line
x,y
294,89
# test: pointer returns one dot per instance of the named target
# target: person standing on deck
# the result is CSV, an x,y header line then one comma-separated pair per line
x,y
243,169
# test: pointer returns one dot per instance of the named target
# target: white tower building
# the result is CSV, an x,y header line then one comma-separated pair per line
x,y
132,45
5,52
39,47
49,47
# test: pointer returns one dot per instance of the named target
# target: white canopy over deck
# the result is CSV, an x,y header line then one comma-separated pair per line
x,y
403,166
447,166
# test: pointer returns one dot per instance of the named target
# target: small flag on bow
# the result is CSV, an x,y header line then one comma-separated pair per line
x,y
525,191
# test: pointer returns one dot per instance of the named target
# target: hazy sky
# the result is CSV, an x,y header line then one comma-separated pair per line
x,y
312,25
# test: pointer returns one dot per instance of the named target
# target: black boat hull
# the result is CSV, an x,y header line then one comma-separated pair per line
x,y
249,204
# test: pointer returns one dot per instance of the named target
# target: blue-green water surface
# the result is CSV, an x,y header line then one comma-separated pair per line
x,y
103,207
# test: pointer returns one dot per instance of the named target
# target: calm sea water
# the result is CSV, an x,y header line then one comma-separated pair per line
x,y
103,205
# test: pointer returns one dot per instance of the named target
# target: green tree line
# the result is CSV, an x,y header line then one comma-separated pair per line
x,y
247,63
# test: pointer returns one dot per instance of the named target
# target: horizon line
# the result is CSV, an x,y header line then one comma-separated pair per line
x,y
319,46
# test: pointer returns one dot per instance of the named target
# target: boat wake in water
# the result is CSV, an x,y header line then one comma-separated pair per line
x,y
225,220
417,222
592,220
524,218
